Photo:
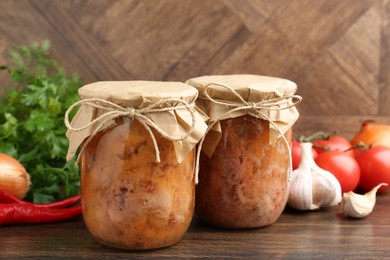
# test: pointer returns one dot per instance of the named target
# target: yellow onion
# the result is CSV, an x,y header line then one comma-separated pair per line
x,y
373,134
13,177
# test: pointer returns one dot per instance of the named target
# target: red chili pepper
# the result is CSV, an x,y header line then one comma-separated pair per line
x,y
15,213
5,197
59,204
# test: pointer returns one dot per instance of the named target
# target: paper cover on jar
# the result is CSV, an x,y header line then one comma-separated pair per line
x,y
168,108
229,96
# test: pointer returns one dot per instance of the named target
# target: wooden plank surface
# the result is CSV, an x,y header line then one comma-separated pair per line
x,y
336,51
323,234
384,79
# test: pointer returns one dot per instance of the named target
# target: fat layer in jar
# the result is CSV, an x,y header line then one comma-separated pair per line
x,y
245,182
129,200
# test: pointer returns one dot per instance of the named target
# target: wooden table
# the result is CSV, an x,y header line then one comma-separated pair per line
x,y
324,234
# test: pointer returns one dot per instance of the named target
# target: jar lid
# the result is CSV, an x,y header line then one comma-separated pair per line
x,y
167,107
229,96
250,87
137,93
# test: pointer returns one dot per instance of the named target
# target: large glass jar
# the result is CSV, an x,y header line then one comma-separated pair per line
x,y
128,199
138,185
245,162
243,184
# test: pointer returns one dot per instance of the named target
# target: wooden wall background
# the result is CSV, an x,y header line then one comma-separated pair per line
x,y
337,51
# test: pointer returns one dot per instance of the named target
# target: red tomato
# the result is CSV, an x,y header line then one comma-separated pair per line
x,y
333,143
343,166
375,168
297,154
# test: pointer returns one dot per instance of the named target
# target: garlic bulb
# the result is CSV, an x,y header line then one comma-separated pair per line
x,y
312,187
359,206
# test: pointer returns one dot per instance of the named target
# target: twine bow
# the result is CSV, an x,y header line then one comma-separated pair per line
x,y
279,103
114,111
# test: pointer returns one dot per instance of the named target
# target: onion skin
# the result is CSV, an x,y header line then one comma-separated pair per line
x,y
13,177
373,134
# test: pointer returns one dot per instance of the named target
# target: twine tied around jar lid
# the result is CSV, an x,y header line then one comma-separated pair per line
x,y
114,111
278,103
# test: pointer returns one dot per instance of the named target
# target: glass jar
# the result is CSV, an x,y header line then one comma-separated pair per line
x,y
130,200
243,177
243,184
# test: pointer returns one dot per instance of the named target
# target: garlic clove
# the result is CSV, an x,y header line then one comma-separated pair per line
x,y
301,194
359,206
327,189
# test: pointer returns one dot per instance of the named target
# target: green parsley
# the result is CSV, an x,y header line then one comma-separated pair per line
x,y
32,126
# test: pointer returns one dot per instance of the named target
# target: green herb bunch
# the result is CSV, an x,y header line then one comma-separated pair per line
x,y
32,126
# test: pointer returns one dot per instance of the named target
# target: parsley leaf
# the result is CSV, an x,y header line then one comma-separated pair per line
x,y
31,121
